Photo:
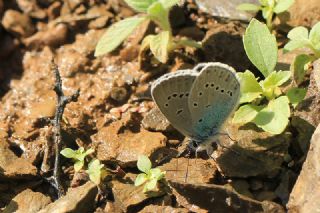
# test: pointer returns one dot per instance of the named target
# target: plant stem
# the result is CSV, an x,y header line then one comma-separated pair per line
x,y
269,21
61,104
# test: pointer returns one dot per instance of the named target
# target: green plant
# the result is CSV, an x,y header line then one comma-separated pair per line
x,y
299,37
96,171
268,8
149,177
77,155
160,44
263,102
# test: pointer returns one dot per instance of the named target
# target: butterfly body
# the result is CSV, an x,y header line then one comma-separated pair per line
x,y
197,102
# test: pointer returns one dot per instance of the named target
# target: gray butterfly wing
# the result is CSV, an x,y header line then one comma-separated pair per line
x,y
213,96
171,92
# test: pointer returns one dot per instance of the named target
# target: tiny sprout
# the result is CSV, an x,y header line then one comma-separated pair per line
x,y
268,8
149,177
160,44
96,171
77,155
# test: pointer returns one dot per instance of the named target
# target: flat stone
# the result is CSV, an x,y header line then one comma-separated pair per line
x,y
124,141
13,167
216,198
80,199
156,121
226,9
128,196
257,153
162,209
190,170
306,192
27,201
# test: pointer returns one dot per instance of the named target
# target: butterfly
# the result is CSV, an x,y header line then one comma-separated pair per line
x,y
197,102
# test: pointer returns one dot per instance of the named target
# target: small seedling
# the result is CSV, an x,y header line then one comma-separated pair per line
x,y
149,177
160,44
268,8
96,171
301,38
77,155
263,102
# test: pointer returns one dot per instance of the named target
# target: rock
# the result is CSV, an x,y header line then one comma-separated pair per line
x,y
162,209
215,198
128,196
14,168
27,202
305,194
223,43
242,187
316,69
288,178
226,9
86,43
8,45
71,62
257,153
54,36
31,8
191,171
119,94
80,199
44,107
255,184
265,195
193,32
17,23
302,14
156,121
124,141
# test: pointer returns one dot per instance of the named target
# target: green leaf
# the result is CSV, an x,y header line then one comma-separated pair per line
x,y
169,3
150,185
315,36
261,47
294,44
266,12
299,34
274,117
282,5
160,15
140,179
248,7
159,46
115,35
144,164
94,171
78,165
68,153
298,67
296,95
188,43
156,174
246,113
275,79
250,88
140,5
